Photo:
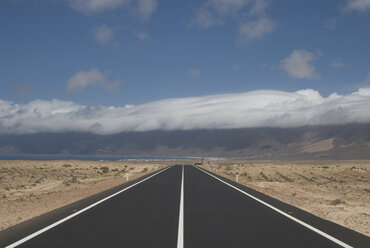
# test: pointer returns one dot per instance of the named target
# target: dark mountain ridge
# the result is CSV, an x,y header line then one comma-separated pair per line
x,y
332,141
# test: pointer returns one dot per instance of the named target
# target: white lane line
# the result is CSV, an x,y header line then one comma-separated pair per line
x,y
337,241
180,234
78,212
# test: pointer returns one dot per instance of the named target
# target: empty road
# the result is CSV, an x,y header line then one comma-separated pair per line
x,y
181,206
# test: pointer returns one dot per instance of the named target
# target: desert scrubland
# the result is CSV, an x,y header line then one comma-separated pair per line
x,y
32,188
338,191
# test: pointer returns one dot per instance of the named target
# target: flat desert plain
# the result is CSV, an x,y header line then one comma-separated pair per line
x,y
32,188
338,191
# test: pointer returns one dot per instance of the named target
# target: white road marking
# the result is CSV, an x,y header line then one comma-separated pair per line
x,y
337,241
77,213
180,234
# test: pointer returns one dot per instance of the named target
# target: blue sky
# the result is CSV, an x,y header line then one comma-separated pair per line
x,y
148,50
108,66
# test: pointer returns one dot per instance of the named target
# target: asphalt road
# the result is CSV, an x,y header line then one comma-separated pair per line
x,y
183,206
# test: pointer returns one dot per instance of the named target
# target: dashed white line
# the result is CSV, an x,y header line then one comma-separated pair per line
x,y
337,241
180,234
77,213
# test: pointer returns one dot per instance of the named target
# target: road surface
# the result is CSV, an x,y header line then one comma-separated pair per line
x,y
181,206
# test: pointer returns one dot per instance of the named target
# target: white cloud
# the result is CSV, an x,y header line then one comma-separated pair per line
x,y
330,24
146,8
224,7
92,6
255,29
259,7
142,9
142,36
194,72
236,67
367,79
103,34
20,91
358,5
337,64
250,15
204,18
266,108
298,65
93,77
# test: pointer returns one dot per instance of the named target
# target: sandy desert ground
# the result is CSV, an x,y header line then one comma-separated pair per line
x,y
31,188
335,190
338,191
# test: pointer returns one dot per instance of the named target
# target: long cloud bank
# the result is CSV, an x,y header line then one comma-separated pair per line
x,y
265,108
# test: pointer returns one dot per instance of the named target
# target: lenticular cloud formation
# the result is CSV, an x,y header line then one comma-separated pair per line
x,y
265,108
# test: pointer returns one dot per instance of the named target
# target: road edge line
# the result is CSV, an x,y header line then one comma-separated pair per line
x,y
335,240
180,233
32,235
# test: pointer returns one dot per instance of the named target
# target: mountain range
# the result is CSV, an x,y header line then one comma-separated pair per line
x,y
330,141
